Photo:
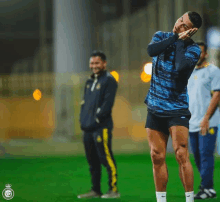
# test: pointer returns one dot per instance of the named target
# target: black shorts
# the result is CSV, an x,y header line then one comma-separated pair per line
x,y
164,123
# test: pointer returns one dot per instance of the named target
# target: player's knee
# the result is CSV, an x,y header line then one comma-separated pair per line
x,y
181,155
157,157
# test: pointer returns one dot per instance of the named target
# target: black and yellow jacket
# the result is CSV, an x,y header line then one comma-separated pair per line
x,y
96,107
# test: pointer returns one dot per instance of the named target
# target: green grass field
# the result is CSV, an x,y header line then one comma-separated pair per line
x,y
52,179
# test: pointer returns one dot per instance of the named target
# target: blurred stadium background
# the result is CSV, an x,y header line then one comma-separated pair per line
x,y
46,44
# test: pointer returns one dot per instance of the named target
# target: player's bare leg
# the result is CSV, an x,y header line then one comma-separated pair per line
x,y
158,144
179,136
181,176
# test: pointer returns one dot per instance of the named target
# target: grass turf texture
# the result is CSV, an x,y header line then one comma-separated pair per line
x,y
52,179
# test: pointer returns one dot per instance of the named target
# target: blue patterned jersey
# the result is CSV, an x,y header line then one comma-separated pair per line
x,y
168,89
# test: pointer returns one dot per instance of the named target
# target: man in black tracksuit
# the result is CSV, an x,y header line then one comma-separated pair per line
x,y
96,123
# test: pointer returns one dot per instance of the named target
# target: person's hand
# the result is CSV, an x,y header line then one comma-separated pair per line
x,y
204,125
187,34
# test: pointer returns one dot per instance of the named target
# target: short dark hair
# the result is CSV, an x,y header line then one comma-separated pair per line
x,y
201,43
99,53
195,18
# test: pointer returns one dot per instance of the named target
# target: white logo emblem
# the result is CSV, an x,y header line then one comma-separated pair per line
x,y
183,117
8,193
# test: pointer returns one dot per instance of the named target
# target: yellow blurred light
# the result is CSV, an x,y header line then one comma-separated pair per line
x,y
148,68
115,75
145,77
37,94
146,74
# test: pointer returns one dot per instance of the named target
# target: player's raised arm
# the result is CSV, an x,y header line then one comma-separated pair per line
x,y
186,58
158,44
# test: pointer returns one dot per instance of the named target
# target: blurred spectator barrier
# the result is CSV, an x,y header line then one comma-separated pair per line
x,y
24,117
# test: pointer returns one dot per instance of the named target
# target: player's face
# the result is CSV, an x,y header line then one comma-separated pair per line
x,y
96,64
182,24
202,56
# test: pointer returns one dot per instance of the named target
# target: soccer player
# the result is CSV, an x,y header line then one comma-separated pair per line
x,y
174,57
96,122
203,125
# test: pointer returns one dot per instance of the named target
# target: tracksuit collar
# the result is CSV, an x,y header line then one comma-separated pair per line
x,y
99,75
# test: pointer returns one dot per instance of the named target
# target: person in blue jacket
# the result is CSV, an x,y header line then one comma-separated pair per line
x,y
96,123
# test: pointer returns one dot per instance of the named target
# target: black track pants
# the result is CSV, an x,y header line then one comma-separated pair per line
x,y
98,148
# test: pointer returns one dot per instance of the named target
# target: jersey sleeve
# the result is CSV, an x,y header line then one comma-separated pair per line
x,y
215,79
186,58
193,54
159,43
157,37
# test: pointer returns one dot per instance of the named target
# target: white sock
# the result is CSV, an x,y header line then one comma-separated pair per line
x,y
161,196
189,196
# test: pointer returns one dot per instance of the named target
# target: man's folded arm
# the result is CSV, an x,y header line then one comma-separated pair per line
x,y
186,59
157,46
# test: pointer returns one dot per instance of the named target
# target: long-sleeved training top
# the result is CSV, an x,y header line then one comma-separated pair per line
x,y
173,62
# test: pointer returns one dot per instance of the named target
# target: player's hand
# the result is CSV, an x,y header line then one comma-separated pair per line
x,y
204,125
187,34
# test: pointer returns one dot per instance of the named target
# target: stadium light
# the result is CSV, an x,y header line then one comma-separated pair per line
x,y
115,75
37,94
146,74
213,38
145,77
148,68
